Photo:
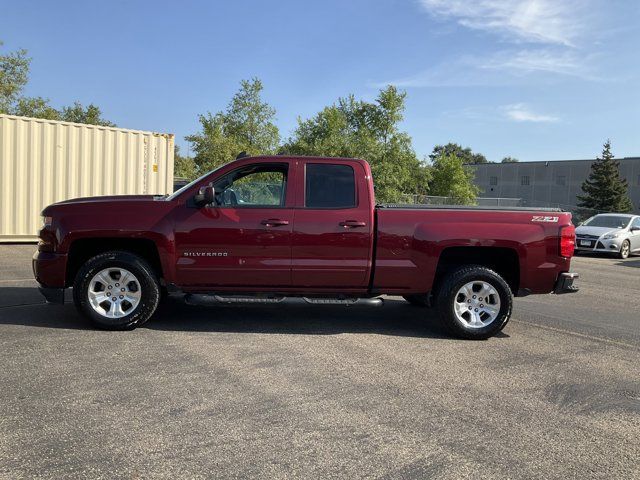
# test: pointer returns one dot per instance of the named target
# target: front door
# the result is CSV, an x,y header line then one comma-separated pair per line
x,y
243,239
333,226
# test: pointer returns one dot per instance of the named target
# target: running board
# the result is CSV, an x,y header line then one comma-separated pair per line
x,y
210,299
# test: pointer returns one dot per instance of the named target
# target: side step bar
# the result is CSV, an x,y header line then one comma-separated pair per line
x,y
212,299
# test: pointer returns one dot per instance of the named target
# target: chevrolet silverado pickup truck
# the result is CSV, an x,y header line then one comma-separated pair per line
x,y
300,229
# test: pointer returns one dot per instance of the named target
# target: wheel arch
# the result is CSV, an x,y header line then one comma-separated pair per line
x,y
83,249
502,260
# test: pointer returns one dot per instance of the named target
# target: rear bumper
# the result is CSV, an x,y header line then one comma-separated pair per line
x,y
564,284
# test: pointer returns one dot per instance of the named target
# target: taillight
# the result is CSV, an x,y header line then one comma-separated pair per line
x,y
567,241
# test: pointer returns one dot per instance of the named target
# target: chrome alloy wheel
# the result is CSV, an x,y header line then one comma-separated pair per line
x,y
625,249
477,304
114,292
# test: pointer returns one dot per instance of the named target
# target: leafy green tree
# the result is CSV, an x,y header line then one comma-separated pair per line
x,y
14,75
35,107
184,167
79,114
467,156
358,129
246,125
452,179
605,190
509,160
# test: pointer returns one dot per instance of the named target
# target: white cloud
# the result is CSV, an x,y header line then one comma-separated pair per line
x,y
505,67
520,112
560,62
560,22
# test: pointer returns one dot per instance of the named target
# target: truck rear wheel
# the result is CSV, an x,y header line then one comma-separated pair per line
x,y
116,291
474,302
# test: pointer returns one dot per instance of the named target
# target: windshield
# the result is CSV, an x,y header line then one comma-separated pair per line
x,y
609,221
178,192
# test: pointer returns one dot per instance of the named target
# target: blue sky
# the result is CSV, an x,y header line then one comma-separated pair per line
x,y
533,79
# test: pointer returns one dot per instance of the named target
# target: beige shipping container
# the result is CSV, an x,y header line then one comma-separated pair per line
x,y
46,161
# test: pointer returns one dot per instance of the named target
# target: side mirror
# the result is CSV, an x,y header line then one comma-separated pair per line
x,y
635,229
205,196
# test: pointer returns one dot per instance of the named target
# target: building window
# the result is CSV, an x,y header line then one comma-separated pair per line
x,y
524,180
493,180
638,179
561,180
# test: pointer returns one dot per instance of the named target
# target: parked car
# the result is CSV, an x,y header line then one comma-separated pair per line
x,y
617,233
300,229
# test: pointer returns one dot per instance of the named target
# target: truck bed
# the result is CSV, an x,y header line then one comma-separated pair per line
x,y
466,207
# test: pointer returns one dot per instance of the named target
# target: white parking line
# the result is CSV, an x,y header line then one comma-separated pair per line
x,y
18,280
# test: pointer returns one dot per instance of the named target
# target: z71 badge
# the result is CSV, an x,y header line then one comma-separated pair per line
x,y
542,218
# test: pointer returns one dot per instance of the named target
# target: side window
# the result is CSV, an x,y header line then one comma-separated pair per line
x,y
329,186
261,185
636,223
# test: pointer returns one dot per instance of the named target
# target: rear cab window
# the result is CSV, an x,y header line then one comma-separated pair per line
x,y
331,186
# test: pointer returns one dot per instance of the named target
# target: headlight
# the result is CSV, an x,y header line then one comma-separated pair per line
x,y
46,221
609,236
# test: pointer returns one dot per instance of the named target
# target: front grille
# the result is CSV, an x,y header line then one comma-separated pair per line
x,y
599,245
588,237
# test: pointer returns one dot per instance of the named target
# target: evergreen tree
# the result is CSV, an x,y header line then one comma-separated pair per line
x,y
605,190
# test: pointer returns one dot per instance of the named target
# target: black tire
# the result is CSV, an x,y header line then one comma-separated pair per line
x,y
418,300
625,250
147,279
446,298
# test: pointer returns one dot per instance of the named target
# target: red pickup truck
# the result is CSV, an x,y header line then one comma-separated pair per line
x,y
280,229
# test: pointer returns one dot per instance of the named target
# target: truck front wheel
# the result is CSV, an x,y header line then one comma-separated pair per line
x,y
474,302
116,291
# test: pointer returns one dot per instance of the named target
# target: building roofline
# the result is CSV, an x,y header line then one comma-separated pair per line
x,y
546,161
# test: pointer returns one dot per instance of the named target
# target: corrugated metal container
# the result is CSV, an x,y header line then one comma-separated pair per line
x,y
45,161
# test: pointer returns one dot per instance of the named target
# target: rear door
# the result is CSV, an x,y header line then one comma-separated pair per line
x,y
332,236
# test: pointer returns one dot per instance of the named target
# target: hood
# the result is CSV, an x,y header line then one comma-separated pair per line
x,y
597,231
108,199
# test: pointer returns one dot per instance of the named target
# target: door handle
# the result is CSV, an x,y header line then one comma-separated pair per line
x,y
352,224
274,222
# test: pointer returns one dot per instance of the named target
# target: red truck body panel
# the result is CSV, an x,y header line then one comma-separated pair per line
x,y
358,250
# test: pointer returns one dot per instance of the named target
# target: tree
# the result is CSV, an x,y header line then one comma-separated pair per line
x,y
452,179
467,156
358,129
35,107
14,75
509,160
246,125
605,190
79,114
184,167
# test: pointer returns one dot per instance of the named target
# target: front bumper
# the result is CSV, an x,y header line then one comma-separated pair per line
x,y
564,284
600,245
52,295
49,268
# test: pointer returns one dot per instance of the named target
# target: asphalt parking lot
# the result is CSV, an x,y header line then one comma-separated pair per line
x,y
323,392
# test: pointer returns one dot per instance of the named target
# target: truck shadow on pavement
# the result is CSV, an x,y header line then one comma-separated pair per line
x,y
24,306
